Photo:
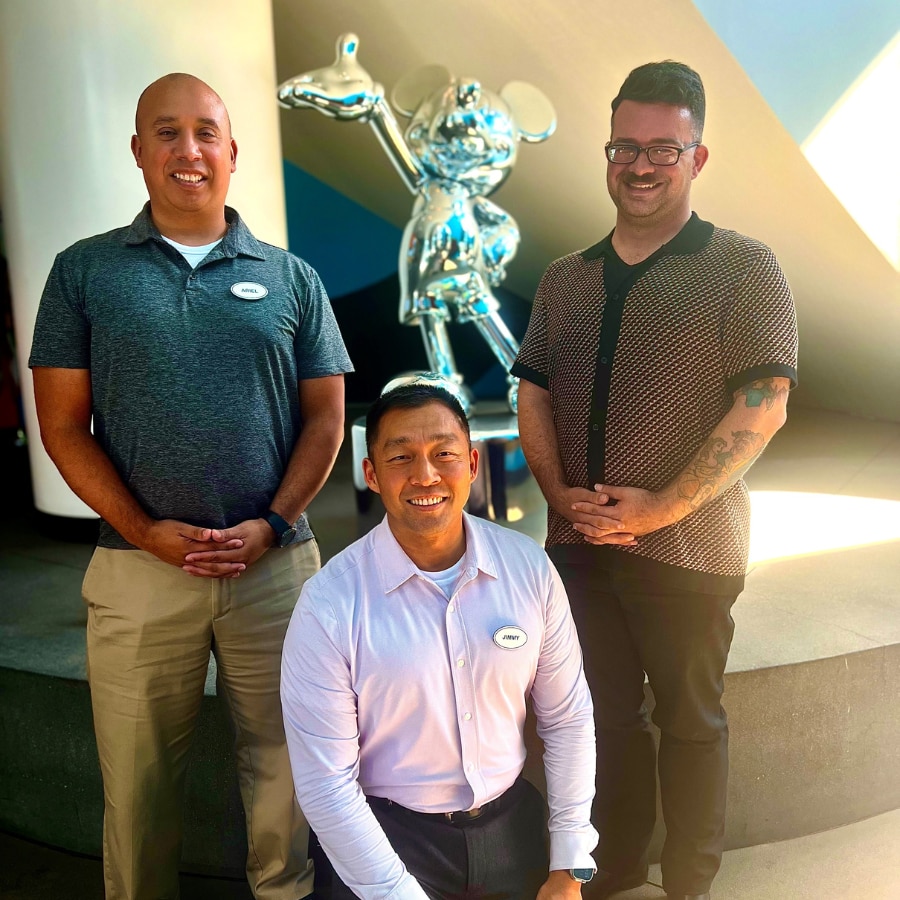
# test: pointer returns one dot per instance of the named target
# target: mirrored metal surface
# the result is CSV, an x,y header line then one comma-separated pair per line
x,y
459,146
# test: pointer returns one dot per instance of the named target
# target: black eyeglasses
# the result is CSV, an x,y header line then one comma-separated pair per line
x,y
623,154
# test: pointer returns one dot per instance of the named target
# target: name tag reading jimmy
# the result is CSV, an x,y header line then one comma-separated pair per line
x,y
249,290
509,637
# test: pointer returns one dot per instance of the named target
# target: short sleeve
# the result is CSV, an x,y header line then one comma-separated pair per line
x,y
62,332
533,360
759,332
318,344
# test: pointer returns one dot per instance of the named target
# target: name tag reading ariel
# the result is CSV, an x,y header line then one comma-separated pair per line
x,y
509,637
249,290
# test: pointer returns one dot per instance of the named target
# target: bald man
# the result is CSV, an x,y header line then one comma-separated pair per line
x,y
212,369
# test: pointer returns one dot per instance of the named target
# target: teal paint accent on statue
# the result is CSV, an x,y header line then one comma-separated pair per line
x,y
347,245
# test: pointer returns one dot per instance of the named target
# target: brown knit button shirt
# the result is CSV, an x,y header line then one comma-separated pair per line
x,y
641,363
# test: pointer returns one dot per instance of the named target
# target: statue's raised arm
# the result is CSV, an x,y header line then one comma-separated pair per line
x,y
346,91
343,90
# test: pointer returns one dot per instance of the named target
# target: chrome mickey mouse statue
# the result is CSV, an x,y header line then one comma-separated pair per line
x,y
459,146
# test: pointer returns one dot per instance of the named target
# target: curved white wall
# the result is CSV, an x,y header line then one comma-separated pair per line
x,y
70,75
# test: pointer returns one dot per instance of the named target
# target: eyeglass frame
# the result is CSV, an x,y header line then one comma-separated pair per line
x,y
640,150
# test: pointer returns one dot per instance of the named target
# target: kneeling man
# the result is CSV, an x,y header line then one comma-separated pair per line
x,y
405,674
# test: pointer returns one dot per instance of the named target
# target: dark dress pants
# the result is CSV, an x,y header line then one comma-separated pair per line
x,y
500,856
628,626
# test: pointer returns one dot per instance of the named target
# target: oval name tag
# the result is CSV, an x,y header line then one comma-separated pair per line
x,y
249,290
509,637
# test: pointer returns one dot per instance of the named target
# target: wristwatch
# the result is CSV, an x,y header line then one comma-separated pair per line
x,y
284,531
582,875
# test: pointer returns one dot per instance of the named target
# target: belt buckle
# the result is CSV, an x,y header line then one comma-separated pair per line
x,y
463,815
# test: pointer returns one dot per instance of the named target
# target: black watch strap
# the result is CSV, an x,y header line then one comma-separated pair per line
x,y
280,526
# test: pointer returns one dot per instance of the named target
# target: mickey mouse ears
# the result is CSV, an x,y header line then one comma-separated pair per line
x,y
533,113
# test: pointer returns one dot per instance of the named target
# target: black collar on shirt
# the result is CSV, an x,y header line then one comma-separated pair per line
x,y
693,237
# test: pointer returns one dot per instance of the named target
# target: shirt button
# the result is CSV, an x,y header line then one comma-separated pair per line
x,y
460,662
470,571
450,607
470,767
467,716
595,427
603,359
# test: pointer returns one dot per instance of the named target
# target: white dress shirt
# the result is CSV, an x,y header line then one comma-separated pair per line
x,y
391,689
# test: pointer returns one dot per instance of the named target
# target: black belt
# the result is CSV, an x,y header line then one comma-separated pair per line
x,y
459,817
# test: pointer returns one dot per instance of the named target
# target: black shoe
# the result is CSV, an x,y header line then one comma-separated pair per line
x,y
688,896
605,884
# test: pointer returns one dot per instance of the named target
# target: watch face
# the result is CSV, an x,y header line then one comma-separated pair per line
x,y
582,875
287,536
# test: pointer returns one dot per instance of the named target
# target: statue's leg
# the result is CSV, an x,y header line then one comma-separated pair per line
x,y
505,347
437,347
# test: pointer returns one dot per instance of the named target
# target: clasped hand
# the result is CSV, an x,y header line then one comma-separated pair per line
x,y
209,552
614,515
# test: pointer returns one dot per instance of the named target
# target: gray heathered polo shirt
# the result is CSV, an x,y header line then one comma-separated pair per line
x,y
195,381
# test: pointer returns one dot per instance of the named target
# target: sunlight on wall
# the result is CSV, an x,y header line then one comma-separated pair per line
x,y
791,523
852,150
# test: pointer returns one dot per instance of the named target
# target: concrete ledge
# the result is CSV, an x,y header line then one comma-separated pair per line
x,y
50,785
814,745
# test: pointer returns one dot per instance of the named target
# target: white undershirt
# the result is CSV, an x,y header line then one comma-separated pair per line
x,y
446,580
193,255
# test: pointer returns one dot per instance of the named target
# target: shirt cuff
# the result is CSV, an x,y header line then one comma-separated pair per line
x,y
572,849
520,370
407,889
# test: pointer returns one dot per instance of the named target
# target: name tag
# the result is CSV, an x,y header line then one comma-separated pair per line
x,y
509,637
249,290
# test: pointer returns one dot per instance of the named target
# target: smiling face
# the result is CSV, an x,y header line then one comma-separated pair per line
x,y
646,195
184,148
422,466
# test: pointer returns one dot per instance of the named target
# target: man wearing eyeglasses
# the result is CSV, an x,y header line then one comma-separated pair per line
x,y
655,369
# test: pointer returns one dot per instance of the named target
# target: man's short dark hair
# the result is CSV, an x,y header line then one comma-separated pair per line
x,y
411,396
666,82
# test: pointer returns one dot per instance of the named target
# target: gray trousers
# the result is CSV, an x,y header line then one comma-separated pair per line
x,y
628,627
500,856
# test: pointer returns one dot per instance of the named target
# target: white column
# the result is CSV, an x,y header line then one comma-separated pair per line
x,y
70,75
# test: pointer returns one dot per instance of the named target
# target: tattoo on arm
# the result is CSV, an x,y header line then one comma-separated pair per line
x,y
762,391
718,466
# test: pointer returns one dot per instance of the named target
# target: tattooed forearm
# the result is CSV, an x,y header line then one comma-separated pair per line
x,y
758,411
718,465
762,391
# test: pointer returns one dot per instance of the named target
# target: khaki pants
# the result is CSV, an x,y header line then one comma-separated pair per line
x,y
150,630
